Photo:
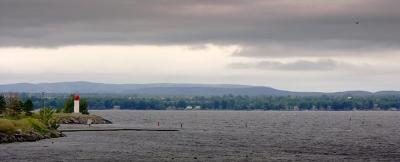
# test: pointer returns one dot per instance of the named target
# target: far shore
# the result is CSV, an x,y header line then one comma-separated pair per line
x,y
245,110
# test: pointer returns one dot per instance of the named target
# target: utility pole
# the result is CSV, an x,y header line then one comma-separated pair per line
x,y
43,100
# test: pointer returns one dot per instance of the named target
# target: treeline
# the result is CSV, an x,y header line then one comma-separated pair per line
x,y
227,102
14,104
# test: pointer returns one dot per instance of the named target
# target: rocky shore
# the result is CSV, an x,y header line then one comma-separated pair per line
x,y
80,119
29,136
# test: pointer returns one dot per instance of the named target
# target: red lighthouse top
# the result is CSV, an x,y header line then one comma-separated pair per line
x,y
76,97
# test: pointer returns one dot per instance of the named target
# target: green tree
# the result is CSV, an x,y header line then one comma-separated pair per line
x,y
69,105
2,104
28,107
83,107
14,106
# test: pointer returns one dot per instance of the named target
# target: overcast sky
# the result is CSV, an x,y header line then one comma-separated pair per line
x,y
300,45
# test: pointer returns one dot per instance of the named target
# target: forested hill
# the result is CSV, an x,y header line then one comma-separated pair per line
x,y
168,89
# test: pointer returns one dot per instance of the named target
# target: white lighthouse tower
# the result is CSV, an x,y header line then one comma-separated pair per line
x,y
76,103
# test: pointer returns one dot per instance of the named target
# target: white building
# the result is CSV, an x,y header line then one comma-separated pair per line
x,y
189,108
76,104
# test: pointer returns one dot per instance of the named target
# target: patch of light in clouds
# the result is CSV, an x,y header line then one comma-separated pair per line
x,y
207,63
117,59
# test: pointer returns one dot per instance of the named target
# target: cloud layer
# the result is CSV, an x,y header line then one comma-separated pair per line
x,y
321,44
299,65
258,24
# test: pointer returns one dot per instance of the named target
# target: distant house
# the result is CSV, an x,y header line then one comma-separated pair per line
x,y
189,108
116,107
197,107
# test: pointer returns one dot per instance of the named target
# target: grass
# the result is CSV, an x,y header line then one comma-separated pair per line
x,y
22,123
25,125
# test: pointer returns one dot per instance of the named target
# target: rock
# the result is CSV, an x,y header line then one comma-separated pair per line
x,y
3,138
28,137
81,119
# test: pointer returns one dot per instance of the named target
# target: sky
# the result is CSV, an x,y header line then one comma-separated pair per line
x,y
299,45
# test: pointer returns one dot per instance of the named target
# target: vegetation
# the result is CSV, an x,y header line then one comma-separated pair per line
x,y
2,104
24,125
231,102
69,105
18,123
28,107
46,116
14,106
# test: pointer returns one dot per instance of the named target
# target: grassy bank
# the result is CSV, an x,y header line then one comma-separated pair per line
x,y
26,129
41,125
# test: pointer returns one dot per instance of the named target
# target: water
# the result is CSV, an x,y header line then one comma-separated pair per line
x,y
226,136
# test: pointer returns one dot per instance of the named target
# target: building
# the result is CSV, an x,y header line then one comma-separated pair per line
x,y
189,108
76,104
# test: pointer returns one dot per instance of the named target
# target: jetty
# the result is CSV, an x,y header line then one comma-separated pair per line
x,y
116,129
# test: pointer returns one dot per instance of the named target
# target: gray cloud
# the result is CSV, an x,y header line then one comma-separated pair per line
x,y
300,65
308,24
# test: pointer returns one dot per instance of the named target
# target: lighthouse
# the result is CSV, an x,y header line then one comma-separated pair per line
x,y
76,103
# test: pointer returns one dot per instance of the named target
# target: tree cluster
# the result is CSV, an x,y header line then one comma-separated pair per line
x,y
226,102
13,105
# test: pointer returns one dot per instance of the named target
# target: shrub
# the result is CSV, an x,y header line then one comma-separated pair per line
x,y
46,116
37,125
2,104
28,107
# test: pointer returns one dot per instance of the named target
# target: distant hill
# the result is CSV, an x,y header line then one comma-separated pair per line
x,y
169,89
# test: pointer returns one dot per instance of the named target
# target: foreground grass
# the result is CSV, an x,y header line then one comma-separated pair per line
x,y
22,128
40,125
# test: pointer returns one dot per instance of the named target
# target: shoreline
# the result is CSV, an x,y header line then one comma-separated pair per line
x,y
63,118
32,136
254,110
33,133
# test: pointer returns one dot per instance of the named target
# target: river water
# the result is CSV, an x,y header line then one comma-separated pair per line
x,y
225,136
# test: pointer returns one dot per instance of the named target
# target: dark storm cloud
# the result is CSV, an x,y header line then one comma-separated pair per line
x,y
301,65
256,24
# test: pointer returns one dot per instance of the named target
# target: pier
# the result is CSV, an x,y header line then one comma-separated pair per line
x,y
117,129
